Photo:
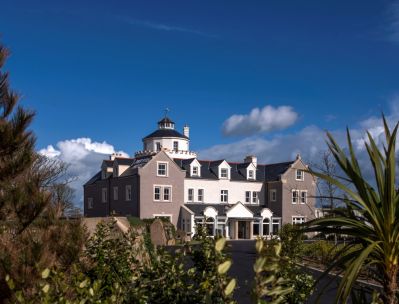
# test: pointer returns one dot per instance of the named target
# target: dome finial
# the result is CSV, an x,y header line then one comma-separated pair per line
x,y
166,112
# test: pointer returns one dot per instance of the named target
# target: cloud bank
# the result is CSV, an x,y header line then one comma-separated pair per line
x,y
84,158
260,121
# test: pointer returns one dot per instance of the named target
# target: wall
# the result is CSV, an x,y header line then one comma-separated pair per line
x,y
121,206
94,191
166,143
148,178
288,184
212,189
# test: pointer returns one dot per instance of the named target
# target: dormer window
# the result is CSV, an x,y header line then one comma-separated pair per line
x,y
251,174
224,173
195,171
299,175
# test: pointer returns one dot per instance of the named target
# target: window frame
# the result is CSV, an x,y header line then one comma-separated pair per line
x,y
195,168
104,195
298,219
248,197
159,194
200,196
190,195
297,197
128,190
90,203
301,197
302,175
224,170
166,169
273,195
224,196
175,146
255,196
169,188
115,192
251,174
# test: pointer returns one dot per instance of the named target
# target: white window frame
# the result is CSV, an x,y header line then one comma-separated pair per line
x,y
166,169
221,173
255,197
201,196
195,168
224,196
301,197
104,195
156,146
175,146
190,195
298,219
115,193
170,216
251,174
248,197
302,175
128,193
160,194
273,195
170,194
90,204
297,196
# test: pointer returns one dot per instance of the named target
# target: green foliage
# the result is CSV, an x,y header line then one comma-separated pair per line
x,y
116,268
371,216
291,241
270,286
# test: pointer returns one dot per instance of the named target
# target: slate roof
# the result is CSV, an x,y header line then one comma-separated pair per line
x,y
165,120
127,161
209,170
272,172
165,133
108,162
198,208
95,178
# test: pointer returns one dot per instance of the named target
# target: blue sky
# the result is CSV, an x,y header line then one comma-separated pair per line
x,y
106,70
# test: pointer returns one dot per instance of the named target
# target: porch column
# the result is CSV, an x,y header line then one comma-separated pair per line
x,y
251,229
235,229
261,228
226,228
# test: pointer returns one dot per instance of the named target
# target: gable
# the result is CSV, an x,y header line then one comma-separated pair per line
x,y
239,211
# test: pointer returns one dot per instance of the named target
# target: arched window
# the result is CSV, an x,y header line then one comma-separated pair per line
x,y
266,226
210,223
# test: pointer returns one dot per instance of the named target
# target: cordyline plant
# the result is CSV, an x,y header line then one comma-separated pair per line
x,y
370,219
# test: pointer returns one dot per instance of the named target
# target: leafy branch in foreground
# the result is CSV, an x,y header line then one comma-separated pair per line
x,y
371,216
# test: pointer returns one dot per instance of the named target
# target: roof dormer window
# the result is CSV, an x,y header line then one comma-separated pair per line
x,y
251,174
224,173
195,171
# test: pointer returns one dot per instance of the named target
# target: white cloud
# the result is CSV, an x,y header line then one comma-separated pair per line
x,y
164,27
260,120
310,142
84,158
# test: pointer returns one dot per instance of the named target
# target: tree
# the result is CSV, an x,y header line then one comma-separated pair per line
x,y
371,216
33,193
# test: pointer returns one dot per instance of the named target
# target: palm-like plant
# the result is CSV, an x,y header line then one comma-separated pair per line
x,y
371,216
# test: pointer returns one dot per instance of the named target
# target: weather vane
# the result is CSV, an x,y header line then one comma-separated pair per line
x,y
166,111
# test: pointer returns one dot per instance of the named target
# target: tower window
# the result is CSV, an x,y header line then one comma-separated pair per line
x,y
176,146
158,146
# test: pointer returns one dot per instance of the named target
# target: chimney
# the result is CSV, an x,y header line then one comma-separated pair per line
x,y
186,131
251,159
112,156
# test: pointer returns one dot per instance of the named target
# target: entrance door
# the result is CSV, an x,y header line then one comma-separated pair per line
x,y
242,230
